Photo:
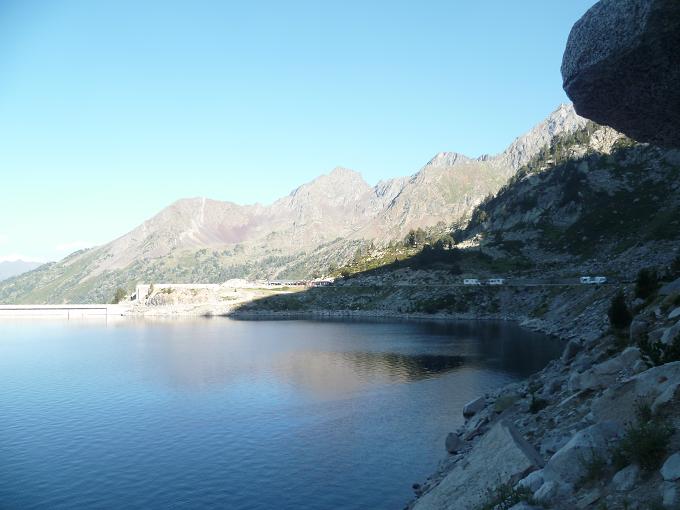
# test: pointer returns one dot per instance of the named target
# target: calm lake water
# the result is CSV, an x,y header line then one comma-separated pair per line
x,y
240,414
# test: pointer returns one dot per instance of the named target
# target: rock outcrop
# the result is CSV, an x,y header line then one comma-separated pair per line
x,y
501,455
621,68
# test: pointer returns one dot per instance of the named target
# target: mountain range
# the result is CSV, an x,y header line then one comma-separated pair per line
x,y
9,268
317,226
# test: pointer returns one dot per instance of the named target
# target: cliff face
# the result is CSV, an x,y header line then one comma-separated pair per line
x,y
621,68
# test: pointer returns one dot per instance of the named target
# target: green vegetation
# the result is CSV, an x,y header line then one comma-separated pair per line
x,y
618,313
595,468
658,352
504,496
119,295
646,284
504,402
645,442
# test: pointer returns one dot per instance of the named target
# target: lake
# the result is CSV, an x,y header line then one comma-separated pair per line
x,y
222,413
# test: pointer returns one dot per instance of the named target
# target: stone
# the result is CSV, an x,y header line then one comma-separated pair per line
x,y
552,387
568,463
669,494
621,67
523,505
473,407
588,498
670,471
670,288
604,374
547,492
618,402
638,330
670,334
500,456
453,443
625,479
532,481
674,314
570,350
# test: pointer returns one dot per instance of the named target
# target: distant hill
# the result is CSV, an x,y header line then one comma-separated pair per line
x,y
9,268
315,228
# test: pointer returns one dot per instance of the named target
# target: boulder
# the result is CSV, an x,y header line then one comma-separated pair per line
x,y
670,288
533,481
618,402
453,443
669,494
621,67
547,492
670,471
570,350
670,334
625,479
567,465
500,456
638,330
473,407
605,373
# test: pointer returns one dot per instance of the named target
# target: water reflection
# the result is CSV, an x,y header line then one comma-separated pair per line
x,y
203,354
240,414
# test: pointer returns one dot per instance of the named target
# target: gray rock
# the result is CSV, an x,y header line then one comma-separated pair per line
x,y
669,334
639,366
453,443
638,329
533,481
473,407
570,350
588,498
674,314
523,505
552,387
621,67
625,479
670,288
500,456
669,493
547,492
605,373
568,463
670,471
616,402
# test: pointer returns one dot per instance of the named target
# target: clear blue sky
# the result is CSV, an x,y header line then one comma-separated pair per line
x,y
111,110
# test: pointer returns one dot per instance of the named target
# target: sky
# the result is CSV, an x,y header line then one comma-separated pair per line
x,y
112,110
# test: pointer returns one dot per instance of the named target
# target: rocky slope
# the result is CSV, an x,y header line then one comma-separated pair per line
x,y
316,227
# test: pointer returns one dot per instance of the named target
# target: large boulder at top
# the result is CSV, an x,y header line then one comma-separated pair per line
x,y
621,68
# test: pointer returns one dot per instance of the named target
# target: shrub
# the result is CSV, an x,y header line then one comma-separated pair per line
x,y
646,284
595,468
618,313
658,352
505,496
537,404
645,442
119,295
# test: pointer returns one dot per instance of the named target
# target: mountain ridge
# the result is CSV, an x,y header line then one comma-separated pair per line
x,y
317,225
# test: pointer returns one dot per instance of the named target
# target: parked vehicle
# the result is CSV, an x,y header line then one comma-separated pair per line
x,y
471,281
495,281
593,280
